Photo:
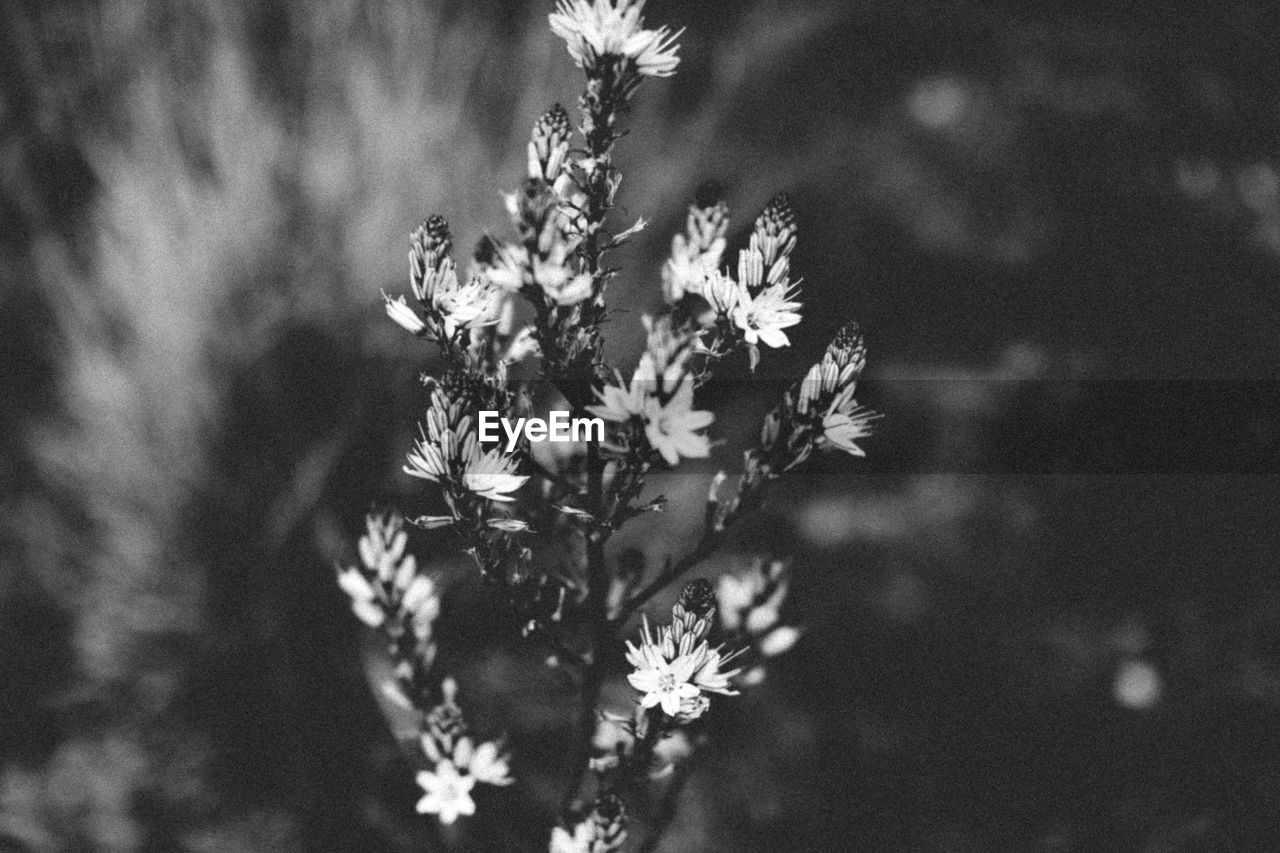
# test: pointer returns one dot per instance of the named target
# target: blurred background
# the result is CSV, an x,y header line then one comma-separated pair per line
x,y
1043,615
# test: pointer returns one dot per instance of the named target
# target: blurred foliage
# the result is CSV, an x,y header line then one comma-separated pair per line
x,y
201,200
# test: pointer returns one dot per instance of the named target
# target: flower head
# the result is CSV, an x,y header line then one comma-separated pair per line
x,y
764,316
467,306
842,428
660,397
447,793
670,672
490,474
600,31
825,395
485,763
458,763
663,682
672,427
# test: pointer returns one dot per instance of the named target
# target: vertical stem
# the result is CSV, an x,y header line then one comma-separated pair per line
x,y
597,615
599,109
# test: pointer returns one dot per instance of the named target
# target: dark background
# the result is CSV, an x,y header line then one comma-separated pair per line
x,y
1042,615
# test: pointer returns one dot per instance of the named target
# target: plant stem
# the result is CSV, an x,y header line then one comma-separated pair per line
x,y
705,548
596,608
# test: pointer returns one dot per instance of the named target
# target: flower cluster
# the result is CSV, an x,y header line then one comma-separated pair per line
x,y
762,301
744,311
827,390
749,604
448,452
457,763
449,306
558,584
387,590
820,411
695,254
659,398
543,264
675,667
602,831
604,34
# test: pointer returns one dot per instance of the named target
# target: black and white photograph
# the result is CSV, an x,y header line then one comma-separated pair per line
x,y
610,426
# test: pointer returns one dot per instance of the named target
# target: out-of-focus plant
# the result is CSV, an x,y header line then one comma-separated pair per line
x,y
500,503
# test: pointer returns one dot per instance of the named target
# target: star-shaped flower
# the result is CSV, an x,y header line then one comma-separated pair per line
x,y
763,317
447,792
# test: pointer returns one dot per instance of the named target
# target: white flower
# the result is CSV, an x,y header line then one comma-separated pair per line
x,y
671,427
559,281
363,597
507,268
722,292
421,599
663,682
549,145
696,253
754,598
469,305
382,547
837,373
390,586
764,316
842,428
484,763
579,841
671,675
490,475
779,641
708,675
427,460
447,793
594,30
685,273
404,316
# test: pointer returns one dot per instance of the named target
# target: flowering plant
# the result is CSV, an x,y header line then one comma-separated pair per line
x,y
502,507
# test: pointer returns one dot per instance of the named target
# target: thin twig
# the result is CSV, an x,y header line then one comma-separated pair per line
x,y
705,548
